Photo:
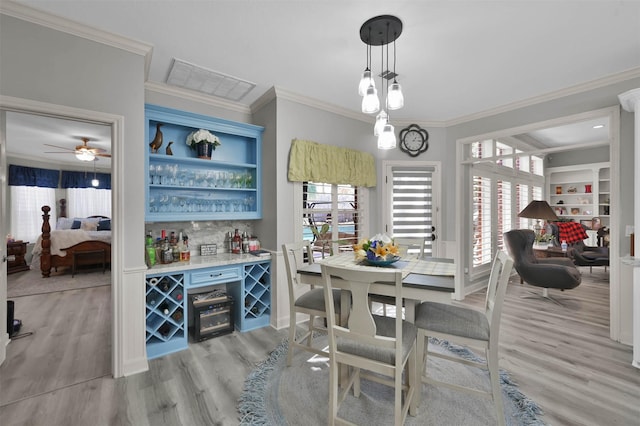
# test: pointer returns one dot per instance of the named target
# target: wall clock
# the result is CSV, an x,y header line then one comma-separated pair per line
x,y
414,140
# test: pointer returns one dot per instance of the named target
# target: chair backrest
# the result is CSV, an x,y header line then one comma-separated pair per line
x,y
520,246
496,289
361,327
294,257
410,244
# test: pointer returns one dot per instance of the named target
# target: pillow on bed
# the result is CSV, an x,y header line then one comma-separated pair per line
x,y
104,225
89,226
64,223
76,224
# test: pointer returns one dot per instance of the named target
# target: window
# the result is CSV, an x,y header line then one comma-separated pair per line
x,y
84,202
26,213
334,208
482,252
499,190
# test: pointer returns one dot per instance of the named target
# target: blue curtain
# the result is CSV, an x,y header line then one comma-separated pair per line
x,y
31,176
83,180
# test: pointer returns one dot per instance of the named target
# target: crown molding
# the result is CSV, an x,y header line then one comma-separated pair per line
x,y
166,89
45,19
280,93
630,100
568,91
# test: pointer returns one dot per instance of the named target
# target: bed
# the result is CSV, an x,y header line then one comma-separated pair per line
x,y
74,242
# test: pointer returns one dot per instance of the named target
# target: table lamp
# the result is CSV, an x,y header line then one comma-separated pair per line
x,y
538,210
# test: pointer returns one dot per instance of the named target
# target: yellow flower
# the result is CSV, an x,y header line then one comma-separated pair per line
x,y
381,251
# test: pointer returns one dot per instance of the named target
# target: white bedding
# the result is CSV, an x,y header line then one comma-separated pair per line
x,y
68,237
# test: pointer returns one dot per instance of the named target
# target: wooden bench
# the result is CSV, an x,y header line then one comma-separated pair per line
x,y
89,257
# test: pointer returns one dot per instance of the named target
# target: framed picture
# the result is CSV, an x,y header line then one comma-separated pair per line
x,y
575,210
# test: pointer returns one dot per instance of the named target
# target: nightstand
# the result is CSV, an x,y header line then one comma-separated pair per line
x,y
19,250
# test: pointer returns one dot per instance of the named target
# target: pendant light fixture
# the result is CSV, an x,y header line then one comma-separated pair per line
x,y
381,31
95,182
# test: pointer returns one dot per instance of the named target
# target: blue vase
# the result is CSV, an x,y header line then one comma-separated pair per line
x,y
204,150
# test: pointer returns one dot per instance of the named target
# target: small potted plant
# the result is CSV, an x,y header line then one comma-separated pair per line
x,y
203,142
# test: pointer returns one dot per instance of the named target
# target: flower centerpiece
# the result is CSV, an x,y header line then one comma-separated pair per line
x,y
204,142
380,249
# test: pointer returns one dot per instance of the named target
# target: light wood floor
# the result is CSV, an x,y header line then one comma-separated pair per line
x,y
560,356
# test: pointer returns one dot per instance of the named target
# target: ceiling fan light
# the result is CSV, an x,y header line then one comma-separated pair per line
x,y
365,82
387,138
370,102
395,98
85,155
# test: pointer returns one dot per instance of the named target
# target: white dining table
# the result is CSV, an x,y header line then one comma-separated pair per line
x,y
425,279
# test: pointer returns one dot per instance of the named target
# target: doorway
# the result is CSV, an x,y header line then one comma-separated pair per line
x,y
115,123
610,140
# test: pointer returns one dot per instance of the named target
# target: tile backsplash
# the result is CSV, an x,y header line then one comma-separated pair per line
x,y
212,232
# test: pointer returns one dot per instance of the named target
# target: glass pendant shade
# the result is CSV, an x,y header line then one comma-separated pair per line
x,y
395,99
370,102
365,82
381,120
95,182
387,138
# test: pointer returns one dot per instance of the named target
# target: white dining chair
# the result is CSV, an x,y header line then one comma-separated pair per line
x,y
310,302
410,245
406,246
369,343
468,327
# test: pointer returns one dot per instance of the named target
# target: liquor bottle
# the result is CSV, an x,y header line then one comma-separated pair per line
x,y
245,242
151,250
236,243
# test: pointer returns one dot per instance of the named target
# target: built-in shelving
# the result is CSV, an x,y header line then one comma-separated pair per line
x,y
255,311
580,192
182,186
165,314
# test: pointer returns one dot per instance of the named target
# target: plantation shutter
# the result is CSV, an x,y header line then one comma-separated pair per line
x,y
481,206
412,198
338,207
504,211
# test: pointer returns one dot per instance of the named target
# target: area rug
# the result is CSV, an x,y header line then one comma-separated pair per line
x,y
31,282
275,394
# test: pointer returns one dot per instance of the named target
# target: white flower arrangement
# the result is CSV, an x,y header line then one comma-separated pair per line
x,y
201,136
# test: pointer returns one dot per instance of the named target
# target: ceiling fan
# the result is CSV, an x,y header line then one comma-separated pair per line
x,y
82,152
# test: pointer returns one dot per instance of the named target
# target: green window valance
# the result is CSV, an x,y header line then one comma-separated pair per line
x,y
312,161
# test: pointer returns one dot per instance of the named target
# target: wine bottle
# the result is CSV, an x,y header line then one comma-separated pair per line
x,y
236,246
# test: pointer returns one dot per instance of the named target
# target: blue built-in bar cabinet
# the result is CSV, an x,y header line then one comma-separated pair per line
x,y
183,187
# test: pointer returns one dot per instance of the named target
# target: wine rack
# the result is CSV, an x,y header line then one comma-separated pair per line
x,y
255,311
165,314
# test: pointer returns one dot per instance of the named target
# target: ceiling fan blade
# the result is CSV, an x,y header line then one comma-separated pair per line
x,y
58,152
103,155
60,147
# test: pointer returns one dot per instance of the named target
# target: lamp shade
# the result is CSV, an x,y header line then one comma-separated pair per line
x,y
395,99
538,210
387,138
85,155
370,101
